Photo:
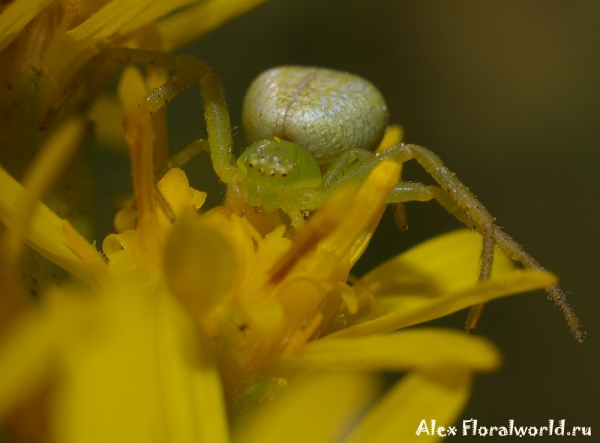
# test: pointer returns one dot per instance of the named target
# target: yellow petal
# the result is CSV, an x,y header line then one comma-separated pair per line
x,y
189,24
411,405
413,310
140,139
111,18
52,236
244,239
52,158
393,135
190,382
199,264
400,312
175,188
446,263
16,15
363,213
340,240
133,372
153,12
425,349
111,392
316,410
107,116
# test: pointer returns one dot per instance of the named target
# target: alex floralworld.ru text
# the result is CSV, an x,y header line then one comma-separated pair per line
x,y
470,427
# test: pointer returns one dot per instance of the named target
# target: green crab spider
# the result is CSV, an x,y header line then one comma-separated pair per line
x,y
311,131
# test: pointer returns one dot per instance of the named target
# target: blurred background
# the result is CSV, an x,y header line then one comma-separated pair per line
x,y
508,95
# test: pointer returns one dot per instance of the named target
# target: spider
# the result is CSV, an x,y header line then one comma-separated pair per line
x,y
311,131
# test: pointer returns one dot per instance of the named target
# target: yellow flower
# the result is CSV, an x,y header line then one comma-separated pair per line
x,y
44,44
197,324
53,55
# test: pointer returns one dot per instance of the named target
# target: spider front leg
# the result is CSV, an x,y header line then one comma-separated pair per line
x,y
183,156
188,71
460,202
355,164
410,191
454,197
474,213
467,208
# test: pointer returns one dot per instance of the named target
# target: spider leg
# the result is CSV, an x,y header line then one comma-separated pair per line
x,y
294,214
355,165
410,191
474,213
183,156
348,167
400,216
513,250
188,71
453,196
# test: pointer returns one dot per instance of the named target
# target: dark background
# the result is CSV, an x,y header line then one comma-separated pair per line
x,y
508,95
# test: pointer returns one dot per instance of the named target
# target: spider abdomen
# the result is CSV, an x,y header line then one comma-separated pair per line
x,y
325,111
